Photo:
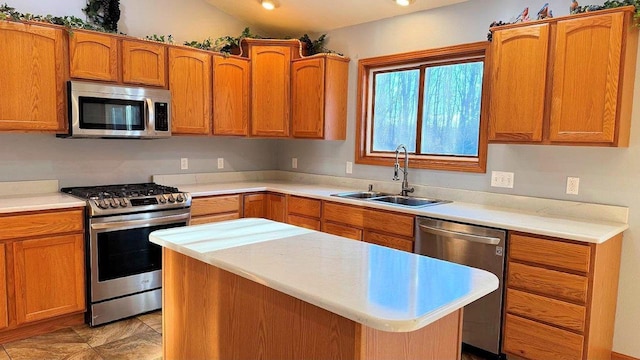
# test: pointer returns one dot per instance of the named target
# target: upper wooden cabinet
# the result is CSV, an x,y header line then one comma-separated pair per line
x,y
565,80
231,86
94,56
271,85
319,97
32,78
144,63
519,62
190,85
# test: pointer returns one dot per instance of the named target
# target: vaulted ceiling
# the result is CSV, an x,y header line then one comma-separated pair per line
x,y
295,17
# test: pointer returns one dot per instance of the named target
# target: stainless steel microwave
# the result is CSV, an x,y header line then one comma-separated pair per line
x,y
112,111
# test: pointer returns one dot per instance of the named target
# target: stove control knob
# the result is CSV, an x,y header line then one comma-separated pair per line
x,y
162,199
113,203
171,198
123,203
102,204
179,198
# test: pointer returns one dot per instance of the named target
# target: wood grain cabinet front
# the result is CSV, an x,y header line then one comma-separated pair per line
x,y
42,272
144,63
94,56
190,86
215,208
560,297
567,80
304,212
319,97
231,88
33,73
271,85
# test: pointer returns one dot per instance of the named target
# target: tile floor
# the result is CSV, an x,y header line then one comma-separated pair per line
x,y
138,338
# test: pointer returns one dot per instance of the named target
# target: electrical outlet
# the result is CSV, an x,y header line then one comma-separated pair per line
x,y
573,185
220,163
502,179
349,167
294,163
184,164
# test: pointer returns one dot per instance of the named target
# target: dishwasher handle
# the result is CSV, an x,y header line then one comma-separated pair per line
x,y
489,240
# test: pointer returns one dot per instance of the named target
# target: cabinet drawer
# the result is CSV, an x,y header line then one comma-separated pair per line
x,y
387,240
394,223
551,311
344,214
342,230
305,222
535,341
214,218
548,282
553,253
215,205
304,206
45,223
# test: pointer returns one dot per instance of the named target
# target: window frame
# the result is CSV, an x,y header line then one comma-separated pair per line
x,y
445,55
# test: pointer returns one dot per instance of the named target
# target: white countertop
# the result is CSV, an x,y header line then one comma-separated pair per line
x,y
379,287
585,230
590,231
36,202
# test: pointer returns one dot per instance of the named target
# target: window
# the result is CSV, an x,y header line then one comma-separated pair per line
x,y
431,101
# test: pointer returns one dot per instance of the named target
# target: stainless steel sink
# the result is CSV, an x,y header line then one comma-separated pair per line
x,y
410,201
361,194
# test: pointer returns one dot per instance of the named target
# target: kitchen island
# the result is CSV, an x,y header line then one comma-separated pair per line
x,y
254,288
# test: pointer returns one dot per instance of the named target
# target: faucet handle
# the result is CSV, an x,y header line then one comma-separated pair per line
x,y
370,187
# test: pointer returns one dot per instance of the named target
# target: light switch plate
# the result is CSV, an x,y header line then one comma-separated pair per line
x,y
294,163
573,185
220,163
184,164
349,167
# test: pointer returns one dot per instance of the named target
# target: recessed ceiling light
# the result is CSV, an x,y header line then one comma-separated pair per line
x,y
404,2
269,4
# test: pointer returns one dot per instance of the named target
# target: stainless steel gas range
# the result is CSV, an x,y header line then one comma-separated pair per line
x,y
124,270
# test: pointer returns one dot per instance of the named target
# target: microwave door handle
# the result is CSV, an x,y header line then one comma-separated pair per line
x,y
149,115
488,240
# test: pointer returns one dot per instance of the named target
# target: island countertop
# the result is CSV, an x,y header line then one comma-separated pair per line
x,y
382,288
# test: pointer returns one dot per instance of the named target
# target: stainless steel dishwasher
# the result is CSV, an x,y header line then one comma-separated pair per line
x,y
478,247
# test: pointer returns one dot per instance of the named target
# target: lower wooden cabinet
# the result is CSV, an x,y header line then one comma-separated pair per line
x,y
4,313
304,212
386,228
42,272
49,277
215,208
560,297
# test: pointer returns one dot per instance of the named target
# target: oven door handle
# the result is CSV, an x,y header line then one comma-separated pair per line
x,y
142,222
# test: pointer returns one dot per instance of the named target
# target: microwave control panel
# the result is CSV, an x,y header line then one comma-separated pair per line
x,y
162,116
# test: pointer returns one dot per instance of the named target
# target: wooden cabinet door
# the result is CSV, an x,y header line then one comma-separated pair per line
x,y
586,71
319,97
4,314
276,207
93,56
388,240
270,90
144,63
231,83
32,78
190,85
307,77
255,205
49,277
518,79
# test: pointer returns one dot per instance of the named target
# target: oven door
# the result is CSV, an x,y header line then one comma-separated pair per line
x,y
122,261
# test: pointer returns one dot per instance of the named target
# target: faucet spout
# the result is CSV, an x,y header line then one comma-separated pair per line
x,y
396,167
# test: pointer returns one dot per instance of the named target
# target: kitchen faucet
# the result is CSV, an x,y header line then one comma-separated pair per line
x,y
396,167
